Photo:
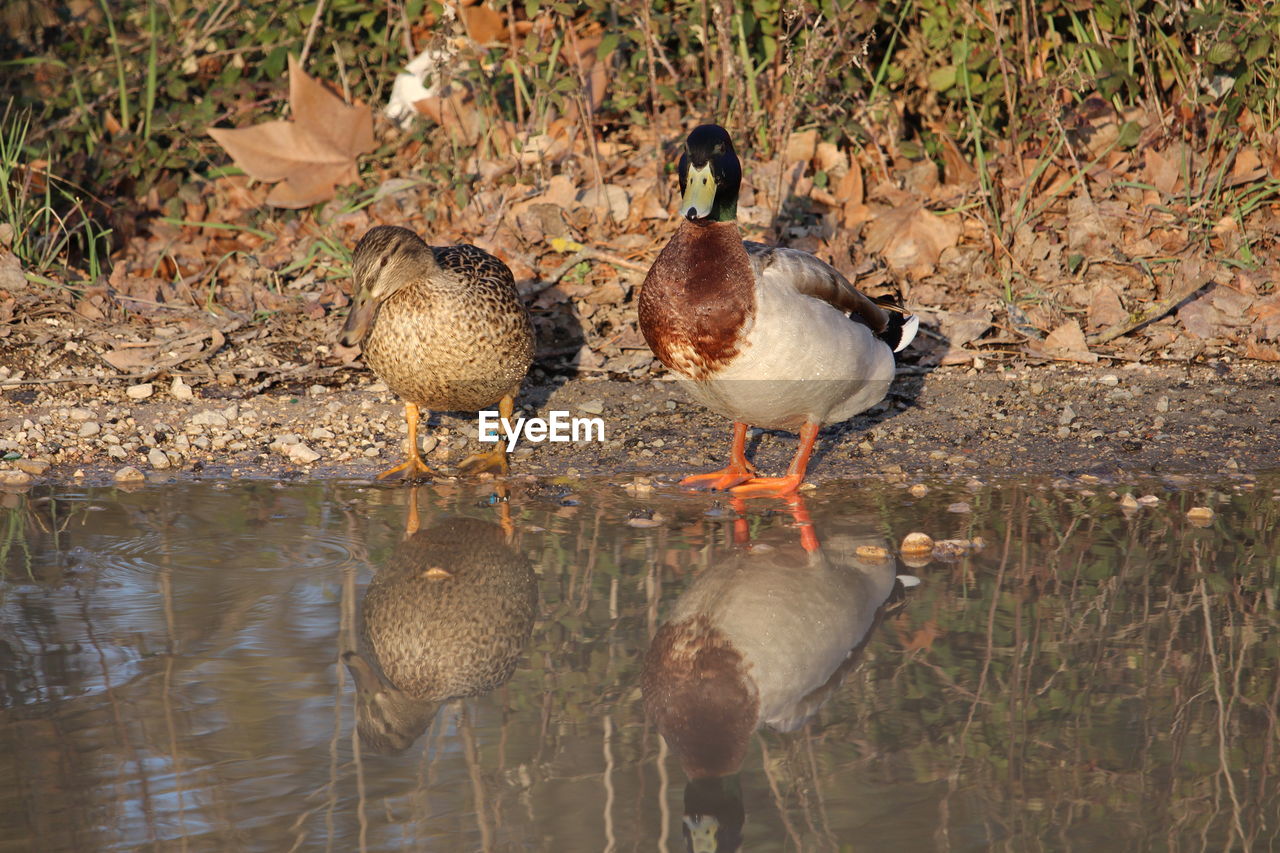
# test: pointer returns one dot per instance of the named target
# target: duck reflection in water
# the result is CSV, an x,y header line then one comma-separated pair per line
x,y
761,638
448,616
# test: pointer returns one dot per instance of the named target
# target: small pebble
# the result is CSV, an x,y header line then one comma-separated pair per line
x,y
90,428
15,478
301,454
959,506
872,553
208,418
1110,380
140,392
1200,516
1068,415
592,407
129,474
1128,502
157,458
34,467
181,390
917,543
919,490
80,415
1148,500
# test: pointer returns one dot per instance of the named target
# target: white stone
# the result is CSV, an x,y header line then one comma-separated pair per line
x,y
15,478
89,428
140,392
80,414
283,442
129,474
209,418
301,454
158,458
181,390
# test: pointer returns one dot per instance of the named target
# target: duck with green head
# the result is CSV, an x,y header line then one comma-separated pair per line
x,y
766,336
443,327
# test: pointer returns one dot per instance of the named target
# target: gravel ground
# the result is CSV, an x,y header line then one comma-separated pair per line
x,y
1178,422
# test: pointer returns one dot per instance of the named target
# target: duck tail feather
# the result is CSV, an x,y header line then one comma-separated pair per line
x,y
901,330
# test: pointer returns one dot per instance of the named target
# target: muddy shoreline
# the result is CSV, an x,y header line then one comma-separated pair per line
x,y
1113,423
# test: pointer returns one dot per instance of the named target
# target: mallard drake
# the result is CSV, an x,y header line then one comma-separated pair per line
x,y
449,615
763,637
766,336
443,326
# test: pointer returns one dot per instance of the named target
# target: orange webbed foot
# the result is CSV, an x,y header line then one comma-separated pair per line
x,y
494,461
768,487
414,469
725,478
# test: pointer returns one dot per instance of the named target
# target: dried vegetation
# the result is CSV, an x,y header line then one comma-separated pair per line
x,y
1040,182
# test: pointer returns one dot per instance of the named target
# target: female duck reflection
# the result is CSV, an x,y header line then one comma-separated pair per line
x,y
759,638
448,616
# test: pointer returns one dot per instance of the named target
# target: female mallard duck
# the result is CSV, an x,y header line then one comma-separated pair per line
x,y
767,336
763,637
443,326
449,615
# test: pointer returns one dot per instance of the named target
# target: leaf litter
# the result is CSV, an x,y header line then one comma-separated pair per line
x,y
1102,252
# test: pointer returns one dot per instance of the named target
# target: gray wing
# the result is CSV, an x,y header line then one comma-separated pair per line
x,y
775,266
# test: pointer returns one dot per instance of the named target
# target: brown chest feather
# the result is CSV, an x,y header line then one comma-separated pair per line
x,y
698,299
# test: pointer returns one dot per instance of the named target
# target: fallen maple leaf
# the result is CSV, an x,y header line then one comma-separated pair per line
x,y
312,154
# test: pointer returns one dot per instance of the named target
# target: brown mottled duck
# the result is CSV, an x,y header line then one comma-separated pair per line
x,y
449,615
443,327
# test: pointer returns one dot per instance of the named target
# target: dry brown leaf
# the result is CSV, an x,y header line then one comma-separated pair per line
x,y
455,111
1200,318
801,147
1266,317
1105,308
911,238
1162,172
484,25
1260,351
1246,168
959,328
1067,341
310,155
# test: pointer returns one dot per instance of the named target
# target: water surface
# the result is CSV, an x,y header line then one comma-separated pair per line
x,y
172,668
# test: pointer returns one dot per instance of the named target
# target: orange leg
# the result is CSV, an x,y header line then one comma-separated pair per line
x,y
741,529
759,487
800,512
738,471
413,467
494,460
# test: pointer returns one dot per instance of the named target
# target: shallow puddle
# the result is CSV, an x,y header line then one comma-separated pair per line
x,y
176,669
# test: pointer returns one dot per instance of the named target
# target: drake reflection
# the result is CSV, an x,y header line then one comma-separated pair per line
x,y
448,616
761,638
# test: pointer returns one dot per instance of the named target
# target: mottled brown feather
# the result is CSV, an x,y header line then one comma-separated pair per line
x,y
456,337
698,300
